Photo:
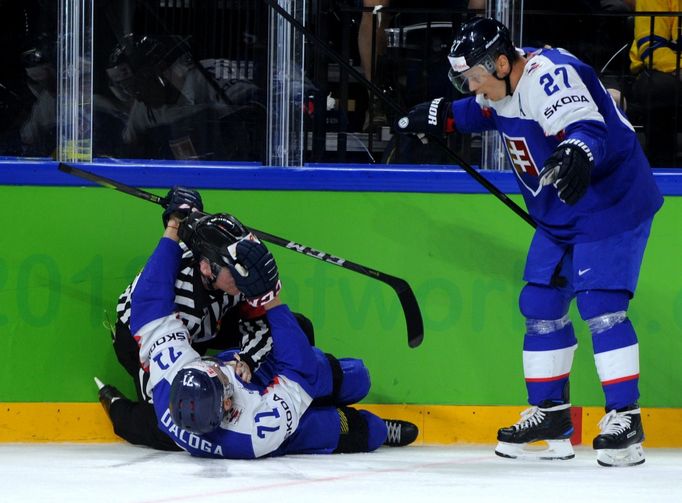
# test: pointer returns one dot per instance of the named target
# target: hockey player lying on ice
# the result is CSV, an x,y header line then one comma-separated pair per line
x,y
203,405
589,188
218,320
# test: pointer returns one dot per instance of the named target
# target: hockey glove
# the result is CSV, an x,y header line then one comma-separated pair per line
x,y
569,169
254,271
181,202
432,117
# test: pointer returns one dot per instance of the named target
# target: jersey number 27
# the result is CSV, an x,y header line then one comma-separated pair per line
x,y
549,83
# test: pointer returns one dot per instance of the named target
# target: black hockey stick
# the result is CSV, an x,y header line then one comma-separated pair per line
x,y
324,46
413,315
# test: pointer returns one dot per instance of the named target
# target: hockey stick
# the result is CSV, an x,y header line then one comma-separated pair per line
x,y
324,46
408,301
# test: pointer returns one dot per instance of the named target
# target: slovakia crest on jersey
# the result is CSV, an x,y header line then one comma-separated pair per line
x,y
524,164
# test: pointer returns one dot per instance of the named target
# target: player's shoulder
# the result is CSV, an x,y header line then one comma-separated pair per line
x,y
549,57
545,67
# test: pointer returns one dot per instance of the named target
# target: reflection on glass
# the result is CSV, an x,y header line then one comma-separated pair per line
x,y
28,78
155,99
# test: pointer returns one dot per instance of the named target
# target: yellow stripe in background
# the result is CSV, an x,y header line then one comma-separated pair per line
x,y
438,424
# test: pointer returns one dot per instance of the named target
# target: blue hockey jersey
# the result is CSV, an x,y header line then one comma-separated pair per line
x,y
559,97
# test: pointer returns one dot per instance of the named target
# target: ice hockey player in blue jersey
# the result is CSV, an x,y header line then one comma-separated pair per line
x,y
204,405
589,188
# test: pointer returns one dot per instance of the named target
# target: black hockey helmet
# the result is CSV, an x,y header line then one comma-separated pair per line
x,y
478,42
137,65
210,236
197,394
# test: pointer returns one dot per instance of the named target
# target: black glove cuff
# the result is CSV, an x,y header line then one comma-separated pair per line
x,y
579,146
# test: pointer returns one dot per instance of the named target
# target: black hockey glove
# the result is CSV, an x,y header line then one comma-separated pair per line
x,y
254,271
569,169
432,117
181,202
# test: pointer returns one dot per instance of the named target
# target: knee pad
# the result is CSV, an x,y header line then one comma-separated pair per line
x,y
538,302
355,382
593,303
350,382
603,309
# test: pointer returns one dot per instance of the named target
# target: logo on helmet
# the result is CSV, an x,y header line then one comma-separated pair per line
x,y
459,63
403,123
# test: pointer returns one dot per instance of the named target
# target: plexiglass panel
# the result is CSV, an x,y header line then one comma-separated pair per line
x,y
180,79
28,80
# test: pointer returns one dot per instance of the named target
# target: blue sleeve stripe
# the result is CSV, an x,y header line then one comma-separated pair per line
x,y
154,294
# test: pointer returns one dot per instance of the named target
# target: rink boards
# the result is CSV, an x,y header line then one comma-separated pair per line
x,y
68,252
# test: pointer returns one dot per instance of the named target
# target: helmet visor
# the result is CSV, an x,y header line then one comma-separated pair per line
x,y
461,76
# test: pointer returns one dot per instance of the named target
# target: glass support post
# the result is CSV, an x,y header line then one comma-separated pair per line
x,y
494,155
74,83
286,87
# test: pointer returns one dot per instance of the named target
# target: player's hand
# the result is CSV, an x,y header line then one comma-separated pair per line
x,y
569,169
180,202
432,117
254,271
242,369
188,228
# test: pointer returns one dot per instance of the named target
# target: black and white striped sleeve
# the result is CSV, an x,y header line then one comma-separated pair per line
x,y
256,341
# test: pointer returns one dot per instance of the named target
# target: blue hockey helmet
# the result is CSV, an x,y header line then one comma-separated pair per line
x,y
197,394
478,42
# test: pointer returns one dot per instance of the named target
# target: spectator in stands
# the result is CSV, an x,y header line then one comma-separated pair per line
x,y
376,115
655,59
369,46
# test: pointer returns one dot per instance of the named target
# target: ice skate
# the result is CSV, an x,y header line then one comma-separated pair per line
x,y
400,433
548,423
620,440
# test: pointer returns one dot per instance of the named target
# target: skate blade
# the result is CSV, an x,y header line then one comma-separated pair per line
x,y
537,451
630,456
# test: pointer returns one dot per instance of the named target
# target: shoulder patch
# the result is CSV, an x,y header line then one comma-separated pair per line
x,y
532,66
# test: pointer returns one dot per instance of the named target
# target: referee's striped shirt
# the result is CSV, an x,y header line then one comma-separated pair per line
x,y
201,311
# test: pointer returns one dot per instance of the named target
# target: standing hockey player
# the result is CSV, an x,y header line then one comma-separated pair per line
x,y
589,187
203,404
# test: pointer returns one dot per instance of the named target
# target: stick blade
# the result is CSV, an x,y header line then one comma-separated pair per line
x,y
413,316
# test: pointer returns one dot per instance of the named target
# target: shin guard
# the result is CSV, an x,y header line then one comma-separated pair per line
x,y
549,343
354,431
616,349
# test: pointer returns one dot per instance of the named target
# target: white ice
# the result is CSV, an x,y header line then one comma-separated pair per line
x,y
120,472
